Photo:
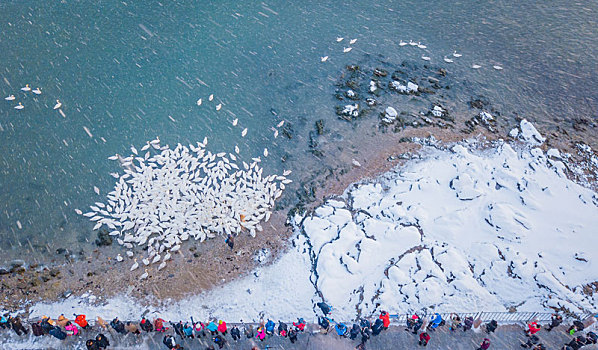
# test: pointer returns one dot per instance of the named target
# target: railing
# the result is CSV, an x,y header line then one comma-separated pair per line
x,y
502,317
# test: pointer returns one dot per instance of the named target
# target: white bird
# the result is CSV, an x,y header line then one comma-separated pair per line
x,y
119,258
447,60
135,265
402,43
199,102
166,257
58,104
156,259
275,133
130,254
218,106
37,91
244,132
19,106
347,49
265,152
211,97
162,265
457,54
425,58
10,98
324,59
236,149
352,41
78,211
421,46
96,189
143,275
476,66
280,124
497,67
338,40
26,88
134,150
412,43
235,121
146,261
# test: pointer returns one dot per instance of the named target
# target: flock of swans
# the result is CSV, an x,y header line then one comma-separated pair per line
x,y
345,49
166,196
27,89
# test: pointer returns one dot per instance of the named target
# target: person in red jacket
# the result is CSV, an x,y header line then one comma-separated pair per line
x,y
385,317
533,328
424,338
300,324
81,321
485,344
222,327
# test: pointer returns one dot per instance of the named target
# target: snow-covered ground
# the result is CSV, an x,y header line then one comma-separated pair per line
x,y
457,229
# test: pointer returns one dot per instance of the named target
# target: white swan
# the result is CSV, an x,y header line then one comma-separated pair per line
x,y
211,97
447,60
218,106
455,54
352,41
135,265
324,59
26,88
143,275
244,132
265,152
338,40
425,58
10,98
402,43
476,66
37,91
280,124
412,43
58,104
347,49
235,121
421,46
199,102
19,106
497,67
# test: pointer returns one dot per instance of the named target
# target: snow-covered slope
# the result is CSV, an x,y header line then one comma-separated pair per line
x,y
457,230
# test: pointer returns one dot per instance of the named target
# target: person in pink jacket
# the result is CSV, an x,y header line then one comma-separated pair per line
x,y
71,329
261,334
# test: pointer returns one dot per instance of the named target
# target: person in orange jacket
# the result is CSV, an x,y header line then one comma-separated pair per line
x,y
222,327
385,317
81,321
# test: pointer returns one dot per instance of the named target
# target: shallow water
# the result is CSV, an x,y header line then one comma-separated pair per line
x,y
121,69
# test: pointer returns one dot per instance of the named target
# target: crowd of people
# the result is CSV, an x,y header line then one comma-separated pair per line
x,y
217,330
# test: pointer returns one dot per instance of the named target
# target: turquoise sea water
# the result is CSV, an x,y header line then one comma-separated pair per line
x,y
122,68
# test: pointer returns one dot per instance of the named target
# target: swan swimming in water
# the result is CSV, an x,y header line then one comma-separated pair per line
x,y
476,66
402,43
199,102
218,106
447,60
455,54
338,40
412,43
421,46
497,67
211,97
19,106
347,49
58,104
10,98
26,88
324,59
425,58
37,91
352,41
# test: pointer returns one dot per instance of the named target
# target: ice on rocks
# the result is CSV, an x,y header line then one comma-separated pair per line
x,y
529,133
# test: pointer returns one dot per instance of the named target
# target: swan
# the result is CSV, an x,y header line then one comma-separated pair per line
x,y
199,102
143,275
338,40
19,106
324,59
26,88
244,132
275,133
265,152
352,41
58,104
402,43
447,60
280,124
497,67
218,106
37,91
162,265
119,258
347,49
235,121
455,54
135,265
211,97
421,46
412,43
476,66
425,58
10,98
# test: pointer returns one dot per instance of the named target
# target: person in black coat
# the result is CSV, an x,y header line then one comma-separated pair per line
x,y
365,334
418,324
292,335
17,326
377,327
324,307
354,331
555,321
235,333
220,341
46,326
91,345
169,341
467,323
531,341
178,329
491,326
102,341
324,323
146,325
118,326
57,333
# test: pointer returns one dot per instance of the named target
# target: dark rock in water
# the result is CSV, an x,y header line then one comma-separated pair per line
x,y
17,269
379,72
353,67
54,272
61,251
352,84
313,141
103,239
479,103
442,72
320,126
17,263
370,101
287,130
3,271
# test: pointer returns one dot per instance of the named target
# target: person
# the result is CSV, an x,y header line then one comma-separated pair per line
x,y
341,329
485,344
435,321
555,321
491,326
57,333
102,341
91,345
326,309
592,337
419,322
46,324
531,341
188,330
365,323
467,323
577,342
146,325
219,340
539,347
235,333
377,327
261,333
169,341
411,321
222,327
424,338
249,332
385,317
455,322
17,326
292,335
118,326
212,327
576,327
270,327
61,321
37,329
81,321
230,241
355,330
4,321
324,323
71,329
100,322
282,329
532,328
132,328
199,329
159,325
365,334
300,325
178,329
